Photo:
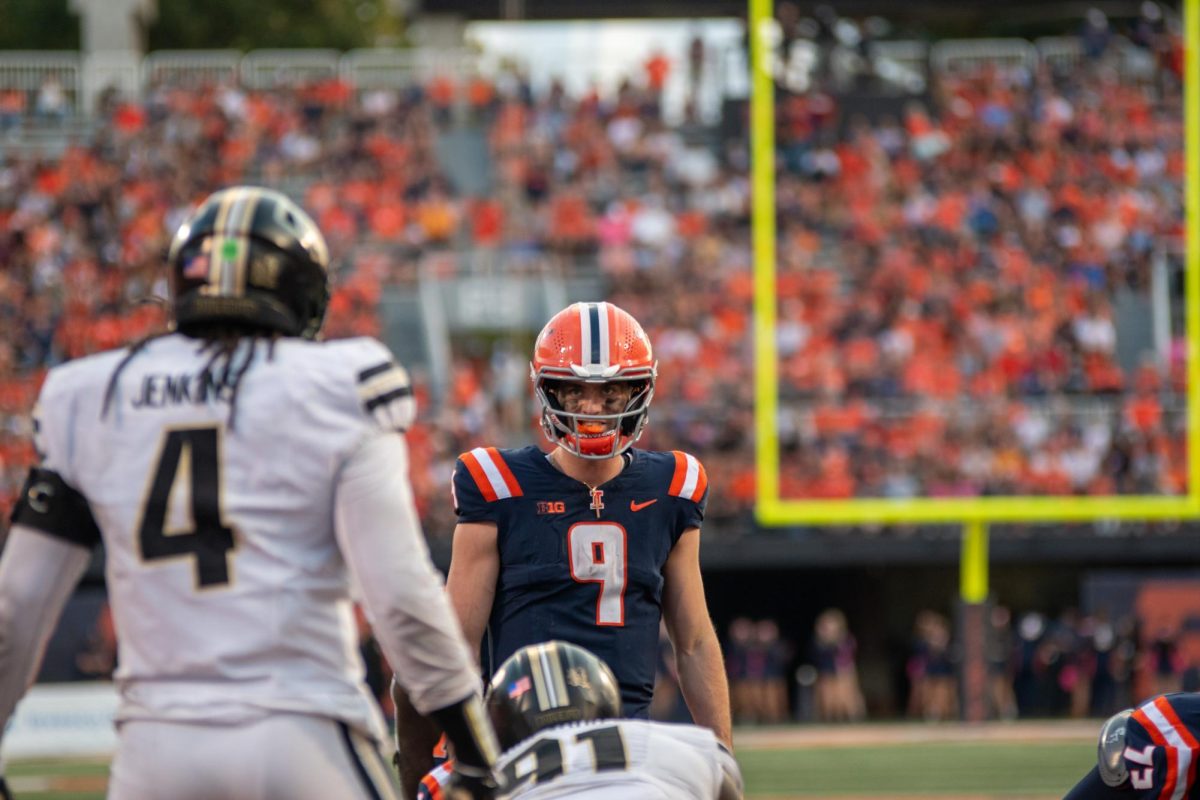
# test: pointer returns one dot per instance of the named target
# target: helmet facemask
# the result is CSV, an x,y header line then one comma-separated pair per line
x,y
590,435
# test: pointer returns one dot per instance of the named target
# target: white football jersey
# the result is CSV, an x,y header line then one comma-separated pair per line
x,y
617,760
230,595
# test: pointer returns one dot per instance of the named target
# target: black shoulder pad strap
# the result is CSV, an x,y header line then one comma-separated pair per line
x,y
49,505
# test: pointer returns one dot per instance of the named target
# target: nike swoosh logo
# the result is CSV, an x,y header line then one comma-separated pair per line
x,y
639,506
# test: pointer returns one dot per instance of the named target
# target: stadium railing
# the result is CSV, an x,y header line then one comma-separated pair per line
x,y
187,68
902,62
84,77
962,56
390,68
29,70
274,69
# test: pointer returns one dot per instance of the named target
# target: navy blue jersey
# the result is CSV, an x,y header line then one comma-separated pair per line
x,y
1162,744
580,565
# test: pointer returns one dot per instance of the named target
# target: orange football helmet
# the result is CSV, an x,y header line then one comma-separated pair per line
x,y
593,343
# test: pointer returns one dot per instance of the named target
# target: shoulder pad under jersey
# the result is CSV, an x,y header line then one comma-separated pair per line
x,y
1111,749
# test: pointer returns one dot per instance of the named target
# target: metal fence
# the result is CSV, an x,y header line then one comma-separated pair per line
x,y
79,79
965,56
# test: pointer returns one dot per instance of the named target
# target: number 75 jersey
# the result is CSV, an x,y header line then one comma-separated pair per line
x,y
581,566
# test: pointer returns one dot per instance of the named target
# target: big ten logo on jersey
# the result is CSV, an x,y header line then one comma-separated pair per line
x,y
551,507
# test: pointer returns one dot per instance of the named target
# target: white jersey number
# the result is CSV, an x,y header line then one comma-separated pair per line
x,y
597,555
542,761
188,473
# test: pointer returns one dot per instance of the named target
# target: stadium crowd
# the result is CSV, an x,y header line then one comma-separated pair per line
x,y
946,278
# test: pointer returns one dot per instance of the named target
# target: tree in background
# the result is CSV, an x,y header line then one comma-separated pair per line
x,y
235,24
38,25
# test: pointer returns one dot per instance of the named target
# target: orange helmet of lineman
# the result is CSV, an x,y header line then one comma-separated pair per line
x,y
593,343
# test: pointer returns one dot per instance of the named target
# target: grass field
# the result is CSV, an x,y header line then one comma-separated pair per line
x,y
1035,761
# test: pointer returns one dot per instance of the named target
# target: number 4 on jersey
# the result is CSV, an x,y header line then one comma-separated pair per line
x,y
188,465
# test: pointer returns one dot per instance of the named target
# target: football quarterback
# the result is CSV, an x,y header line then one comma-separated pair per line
x,y
595,542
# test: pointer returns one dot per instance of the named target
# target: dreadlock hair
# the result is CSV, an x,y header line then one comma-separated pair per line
x,y
221,343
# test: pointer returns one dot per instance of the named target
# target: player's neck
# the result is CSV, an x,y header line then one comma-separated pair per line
x,y
591,471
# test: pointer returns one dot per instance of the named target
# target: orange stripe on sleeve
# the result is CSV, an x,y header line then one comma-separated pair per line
x,y
432,786
1168,711
1161,741
481,478
1165,708
510,480
680,473
1151,728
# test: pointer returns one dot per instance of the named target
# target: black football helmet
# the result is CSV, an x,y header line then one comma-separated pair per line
x,y
549,684
251,257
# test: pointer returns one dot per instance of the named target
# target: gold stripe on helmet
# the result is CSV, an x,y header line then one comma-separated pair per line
x,y
558,682
216,263
539,681
242,222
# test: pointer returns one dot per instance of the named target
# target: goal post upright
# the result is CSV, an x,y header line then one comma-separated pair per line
x,y
973,514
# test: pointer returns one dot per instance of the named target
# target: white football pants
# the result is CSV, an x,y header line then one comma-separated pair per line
x,y
281,757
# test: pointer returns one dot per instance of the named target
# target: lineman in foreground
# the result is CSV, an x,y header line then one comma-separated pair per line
x,y
1146,753
555,707
234,469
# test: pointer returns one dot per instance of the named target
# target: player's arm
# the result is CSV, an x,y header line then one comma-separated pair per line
x,y
380,537
416,737
471,587
471,582
697,651
45,555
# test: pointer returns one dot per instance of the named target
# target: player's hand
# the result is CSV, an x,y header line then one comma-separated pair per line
x,y
469,784
5,794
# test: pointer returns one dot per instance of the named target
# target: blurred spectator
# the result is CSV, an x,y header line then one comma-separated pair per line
x,y
838,696
51,103
770,684
939,692
1113,659
737,667
1166,665
1000,657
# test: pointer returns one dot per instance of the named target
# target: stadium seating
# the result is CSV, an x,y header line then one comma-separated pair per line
x,y
949,279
